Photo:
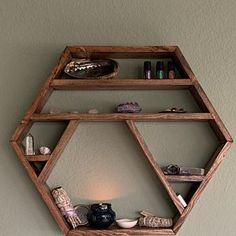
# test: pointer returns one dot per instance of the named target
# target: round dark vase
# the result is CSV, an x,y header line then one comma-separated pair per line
x,y
101,215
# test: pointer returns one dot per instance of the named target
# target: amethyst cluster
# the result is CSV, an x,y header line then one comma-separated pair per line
x,y
129,107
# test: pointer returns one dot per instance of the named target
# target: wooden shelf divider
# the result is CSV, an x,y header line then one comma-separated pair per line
x,y
121,116
121,84
37,157
114,230
184,178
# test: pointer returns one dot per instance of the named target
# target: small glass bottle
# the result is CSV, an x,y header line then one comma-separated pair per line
x,y
147,70
160,70
29,145
171,70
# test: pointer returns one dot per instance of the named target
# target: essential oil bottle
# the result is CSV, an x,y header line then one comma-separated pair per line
x,y
160,70
147,70
171,70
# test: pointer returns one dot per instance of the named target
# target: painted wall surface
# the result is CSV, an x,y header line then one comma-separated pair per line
x,y
102,161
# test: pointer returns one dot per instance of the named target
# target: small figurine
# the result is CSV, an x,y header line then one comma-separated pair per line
x,y
29,141
129,107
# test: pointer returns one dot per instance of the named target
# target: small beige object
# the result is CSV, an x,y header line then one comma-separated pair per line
x,y
65,205
155,222
44,150
93,111
146,213
74,112
54,111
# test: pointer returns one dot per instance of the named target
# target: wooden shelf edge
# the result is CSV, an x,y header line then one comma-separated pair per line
x,y
37,157
82,231
185,178
121,116
121,84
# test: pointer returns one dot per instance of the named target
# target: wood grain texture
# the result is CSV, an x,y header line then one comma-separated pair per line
x,y
37,157
21,130
220,153
120,84
57,80
154,165
122,116
203,101
182,178
120,52
41,188
183,64
84,231
58,150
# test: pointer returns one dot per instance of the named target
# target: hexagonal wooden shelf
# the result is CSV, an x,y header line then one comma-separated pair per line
x,y
58,80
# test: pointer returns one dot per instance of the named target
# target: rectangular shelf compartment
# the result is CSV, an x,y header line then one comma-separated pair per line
x,y
120,84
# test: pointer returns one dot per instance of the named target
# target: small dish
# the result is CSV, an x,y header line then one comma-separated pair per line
x,y
126,223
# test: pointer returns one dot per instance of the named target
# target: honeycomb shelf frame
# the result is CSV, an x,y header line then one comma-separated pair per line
x,y
57,81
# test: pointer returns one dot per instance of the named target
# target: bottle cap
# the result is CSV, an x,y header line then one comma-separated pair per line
x,y
160,65
170,65
147,65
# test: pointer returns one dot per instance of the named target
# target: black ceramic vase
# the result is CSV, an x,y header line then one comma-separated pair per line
x,y
101,215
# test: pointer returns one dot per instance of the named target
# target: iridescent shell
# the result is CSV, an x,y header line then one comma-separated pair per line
x,y
92,69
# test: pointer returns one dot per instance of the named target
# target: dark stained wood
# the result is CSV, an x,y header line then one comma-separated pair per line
x,y
84,231
37,157
58,150
203,101
182,178
57,80
21,130
41,188
183,64
151,159
122,116
220,153
120,84
120,52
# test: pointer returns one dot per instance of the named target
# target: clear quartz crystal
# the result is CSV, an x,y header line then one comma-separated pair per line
x,y
29,141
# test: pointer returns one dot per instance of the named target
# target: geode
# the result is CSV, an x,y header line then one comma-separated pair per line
x,y
129,107
171,170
